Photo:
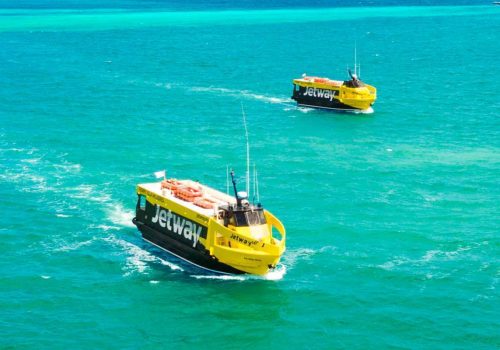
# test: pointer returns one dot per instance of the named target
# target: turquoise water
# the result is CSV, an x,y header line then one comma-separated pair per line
x,y
392,217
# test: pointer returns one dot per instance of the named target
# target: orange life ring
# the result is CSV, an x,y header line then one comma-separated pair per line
x,y
171,184
187,193
204,203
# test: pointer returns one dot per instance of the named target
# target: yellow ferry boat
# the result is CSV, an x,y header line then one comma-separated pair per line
x,y
349,95
209,228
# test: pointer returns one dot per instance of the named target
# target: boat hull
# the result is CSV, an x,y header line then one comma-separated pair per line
x,y
178,234
315,103
173,246
328,100
206,238
339,96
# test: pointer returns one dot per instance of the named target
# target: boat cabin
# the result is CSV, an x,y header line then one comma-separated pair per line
x,y
240,216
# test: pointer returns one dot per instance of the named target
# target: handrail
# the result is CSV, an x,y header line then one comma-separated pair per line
x,y
249,241
273,221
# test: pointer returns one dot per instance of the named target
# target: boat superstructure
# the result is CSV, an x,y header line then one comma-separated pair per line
x,y
208,228
349,95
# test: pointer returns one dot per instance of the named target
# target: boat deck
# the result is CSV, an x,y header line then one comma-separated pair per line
x,y
318,80
208,192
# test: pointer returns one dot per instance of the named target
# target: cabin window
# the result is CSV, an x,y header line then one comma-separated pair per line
x,y
142,202
255,218
249,218
240,218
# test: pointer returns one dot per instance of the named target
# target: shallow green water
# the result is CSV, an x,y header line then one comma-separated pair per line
x,y
392,217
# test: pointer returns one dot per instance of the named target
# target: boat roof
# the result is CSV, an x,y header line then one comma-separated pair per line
x,y
318,80
219,197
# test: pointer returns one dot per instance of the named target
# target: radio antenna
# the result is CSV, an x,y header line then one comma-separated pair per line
x,y
355,58
248,151
254,182
257,186
227,179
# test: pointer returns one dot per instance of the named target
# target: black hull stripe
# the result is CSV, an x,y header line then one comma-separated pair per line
x,y
316,103
180,257
336,109
320,103
179,249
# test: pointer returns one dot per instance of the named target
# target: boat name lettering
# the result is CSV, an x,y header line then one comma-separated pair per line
x,y
324,93
243,240
177,224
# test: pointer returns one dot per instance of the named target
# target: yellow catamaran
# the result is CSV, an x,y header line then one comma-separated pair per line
x,y
209,228
349,95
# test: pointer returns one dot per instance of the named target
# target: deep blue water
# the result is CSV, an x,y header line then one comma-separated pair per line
x,y
392,217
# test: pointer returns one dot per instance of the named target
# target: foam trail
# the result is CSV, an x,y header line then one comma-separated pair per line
x,y
364,111
82,191
105,227
220,277
242,93
69,168
275,275
431,256
74,246
120,216
293,256
304,109
138,258
268,99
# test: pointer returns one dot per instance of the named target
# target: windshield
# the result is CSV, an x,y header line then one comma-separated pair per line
x,y
354,83
249,218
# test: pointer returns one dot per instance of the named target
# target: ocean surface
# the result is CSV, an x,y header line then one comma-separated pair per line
x,y
392,218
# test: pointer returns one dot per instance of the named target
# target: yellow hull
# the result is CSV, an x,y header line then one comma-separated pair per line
x,y
205,239
333,94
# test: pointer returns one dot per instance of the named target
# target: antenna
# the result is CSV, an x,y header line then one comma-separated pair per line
x,y
357,65
248,152
257,186
238,199
227,180
355,58
254,182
